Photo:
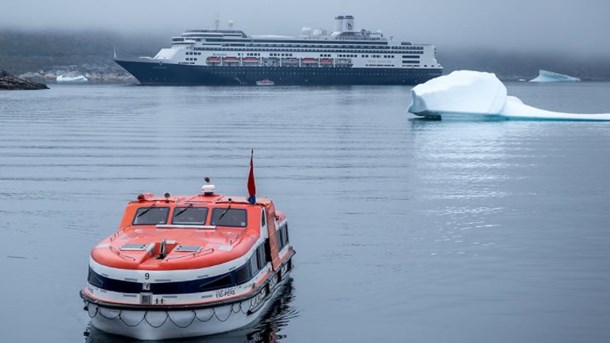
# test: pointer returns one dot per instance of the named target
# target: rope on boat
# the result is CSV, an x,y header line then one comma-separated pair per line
x,y
134,325
149,323
183,326
243,306
246,307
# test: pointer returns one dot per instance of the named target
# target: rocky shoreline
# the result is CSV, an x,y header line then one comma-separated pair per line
x,y
95,73
10,82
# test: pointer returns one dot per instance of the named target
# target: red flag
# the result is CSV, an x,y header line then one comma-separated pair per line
x,y
251,184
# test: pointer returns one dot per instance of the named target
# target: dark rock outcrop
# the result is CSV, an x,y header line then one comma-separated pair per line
x,y
10,82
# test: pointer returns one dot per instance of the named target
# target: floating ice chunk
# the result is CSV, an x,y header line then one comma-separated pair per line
x,y
472,93
68,79
515,109
549,76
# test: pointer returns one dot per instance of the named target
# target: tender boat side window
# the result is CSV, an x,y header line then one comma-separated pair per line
x,y
262,257
229,217
242,274
222,281
151,215
282,236
263,215
254,264
190,215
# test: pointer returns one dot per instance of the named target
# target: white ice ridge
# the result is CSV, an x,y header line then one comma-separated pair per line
x,y
467,92
549,76
69,79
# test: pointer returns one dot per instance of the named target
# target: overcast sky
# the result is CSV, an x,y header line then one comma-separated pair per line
x,y
568,26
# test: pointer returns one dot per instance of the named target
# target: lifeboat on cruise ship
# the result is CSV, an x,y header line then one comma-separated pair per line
x,y
213,60
188,265
326,62
230,59
308,60
251,60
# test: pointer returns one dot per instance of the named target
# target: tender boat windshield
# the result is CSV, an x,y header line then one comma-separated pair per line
x,y
229,217
151,216
189,215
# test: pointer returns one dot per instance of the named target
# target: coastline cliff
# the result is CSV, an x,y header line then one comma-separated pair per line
x,y
10,82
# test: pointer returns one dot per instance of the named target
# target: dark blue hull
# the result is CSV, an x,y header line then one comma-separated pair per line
x,y
155,73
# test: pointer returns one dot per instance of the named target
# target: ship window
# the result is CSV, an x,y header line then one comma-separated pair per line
x,y
229,217
254,263
190,215
151,215
94,279
262,257
222,282
242,274
280,239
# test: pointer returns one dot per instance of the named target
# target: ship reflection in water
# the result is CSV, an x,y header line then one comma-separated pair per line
x,y
267,330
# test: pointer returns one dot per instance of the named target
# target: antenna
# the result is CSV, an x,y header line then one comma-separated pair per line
x,y
217,21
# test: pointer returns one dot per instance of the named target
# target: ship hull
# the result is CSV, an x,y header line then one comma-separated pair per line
x,y
180,322
151,72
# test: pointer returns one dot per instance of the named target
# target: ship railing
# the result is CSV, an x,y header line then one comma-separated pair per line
x,y
186,226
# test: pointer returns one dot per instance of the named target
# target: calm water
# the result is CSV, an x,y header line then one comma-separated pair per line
x,y
405,230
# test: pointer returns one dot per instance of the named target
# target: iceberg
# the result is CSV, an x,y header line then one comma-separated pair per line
x,y
68,79
471,94
549,76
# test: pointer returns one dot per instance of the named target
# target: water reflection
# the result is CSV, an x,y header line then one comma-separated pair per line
x,y
266,330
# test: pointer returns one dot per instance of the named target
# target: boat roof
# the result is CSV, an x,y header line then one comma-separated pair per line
x,y
222,229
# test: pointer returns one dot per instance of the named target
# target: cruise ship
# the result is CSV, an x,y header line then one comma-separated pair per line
x,y
345,56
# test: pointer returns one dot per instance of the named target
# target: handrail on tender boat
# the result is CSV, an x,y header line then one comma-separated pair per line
x,y
183,226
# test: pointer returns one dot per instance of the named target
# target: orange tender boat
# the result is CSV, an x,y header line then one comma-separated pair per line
x,y
183,266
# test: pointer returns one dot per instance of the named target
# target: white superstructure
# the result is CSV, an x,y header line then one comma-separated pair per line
x,y
314,48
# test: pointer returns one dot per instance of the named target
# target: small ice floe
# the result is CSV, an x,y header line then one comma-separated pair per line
x,y
549,76
472,94
71,79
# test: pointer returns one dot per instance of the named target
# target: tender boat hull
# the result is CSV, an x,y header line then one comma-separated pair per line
x,y
179,322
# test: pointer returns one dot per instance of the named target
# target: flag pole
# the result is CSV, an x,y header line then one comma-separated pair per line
x,y
251,183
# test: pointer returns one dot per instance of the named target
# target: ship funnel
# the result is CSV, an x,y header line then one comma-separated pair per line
x,y
349,23
339,23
